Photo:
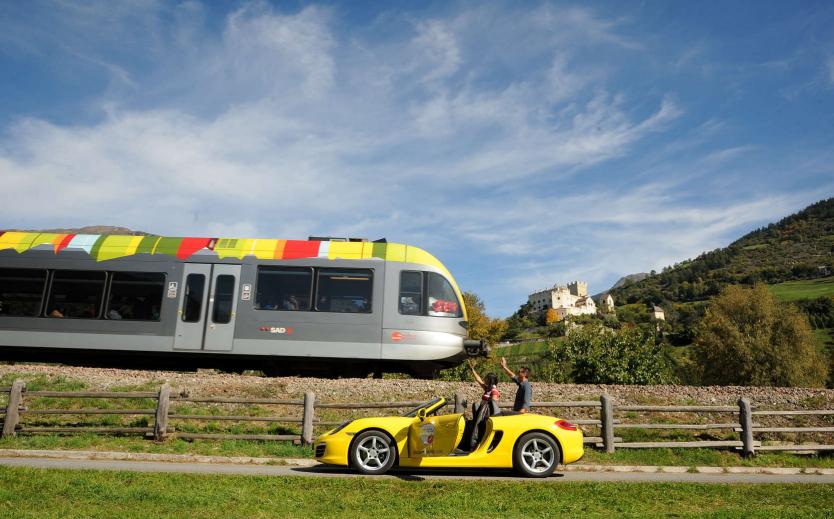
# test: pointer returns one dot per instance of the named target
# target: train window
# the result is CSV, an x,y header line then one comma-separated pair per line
x,y
193,300
76,294
411,293
284,288
135,296
440,297
21,292
224,293
344,290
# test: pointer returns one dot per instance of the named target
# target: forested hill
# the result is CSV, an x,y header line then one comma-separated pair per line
x,y
800,246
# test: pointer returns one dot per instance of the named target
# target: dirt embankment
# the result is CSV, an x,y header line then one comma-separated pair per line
x,y
360,390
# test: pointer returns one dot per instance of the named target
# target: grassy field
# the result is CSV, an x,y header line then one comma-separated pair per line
x,y
92,442
808,289
704,458
28,493
523,349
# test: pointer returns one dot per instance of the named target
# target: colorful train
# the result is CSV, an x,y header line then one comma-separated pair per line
x,y
286,307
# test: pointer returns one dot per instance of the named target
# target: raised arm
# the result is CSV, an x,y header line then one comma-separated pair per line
x,y
475,373
507,370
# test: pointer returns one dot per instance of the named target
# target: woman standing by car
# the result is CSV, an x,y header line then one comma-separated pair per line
x,y
488,406
491,393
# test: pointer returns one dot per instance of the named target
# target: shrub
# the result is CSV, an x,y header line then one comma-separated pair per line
x,y
748,338
593,354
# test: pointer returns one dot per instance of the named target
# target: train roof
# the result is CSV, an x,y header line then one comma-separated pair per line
x,y
111,246
104,247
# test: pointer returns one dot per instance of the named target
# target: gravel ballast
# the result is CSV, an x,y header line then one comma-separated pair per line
x,y
211,383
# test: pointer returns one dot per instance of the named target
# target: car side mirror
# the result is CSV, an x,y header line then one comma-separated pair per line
x,y
421,414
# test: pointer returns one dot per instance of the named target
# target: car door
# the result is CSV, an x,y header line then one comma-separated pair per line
x,y
435,435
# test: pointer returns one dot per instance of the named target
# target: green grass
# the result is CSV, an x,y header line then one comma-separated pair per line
x,y
43,382
704,457
807,289
92,442
523,349
824,337
37,381
26,493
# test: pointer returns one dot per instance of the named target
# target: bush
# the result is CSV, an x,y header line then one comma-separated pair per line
x,y
594,354
748,338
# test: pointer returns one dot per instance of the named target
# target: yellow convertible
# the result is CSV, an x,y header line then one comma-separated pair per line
x,y
532,444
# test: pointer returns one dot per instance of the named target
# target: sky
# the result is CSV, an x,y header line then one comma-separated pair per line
x,y
522,143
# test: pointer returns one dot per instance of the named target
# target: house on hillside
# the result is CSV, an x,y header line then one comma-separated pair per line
x,y
658,313
605,302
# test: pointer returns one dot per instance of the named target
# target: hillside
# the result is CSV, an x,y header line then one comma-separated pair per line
x,y
798,247
631,278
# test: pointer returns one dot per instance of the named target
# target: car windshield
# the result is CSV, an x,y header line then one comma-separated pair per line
x,y
424,405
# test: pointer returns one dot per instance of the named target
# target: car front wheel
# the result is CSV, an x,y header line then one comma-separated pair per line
x,y
372,452
536,455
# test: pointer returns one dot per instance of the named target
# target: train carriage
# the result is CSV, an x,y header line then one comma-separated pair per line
x,y
322,307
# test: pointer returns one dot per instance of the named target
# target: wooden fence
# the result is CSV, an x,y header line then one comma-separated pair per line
x,y
601,419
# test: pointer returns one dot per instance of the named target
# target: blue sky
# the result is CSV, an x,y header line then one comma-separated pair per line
x,y
523,143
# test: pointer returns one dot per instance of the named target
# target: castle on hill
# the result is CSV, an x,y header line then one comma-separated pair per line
x,y
570,299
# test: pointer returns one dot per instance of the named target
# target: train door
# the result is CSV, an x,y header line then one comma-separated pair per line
x,y
220,326
208,306
191,322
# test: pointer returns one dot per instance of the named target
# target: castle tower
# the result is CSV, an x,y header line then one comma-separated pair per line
x,y
578,288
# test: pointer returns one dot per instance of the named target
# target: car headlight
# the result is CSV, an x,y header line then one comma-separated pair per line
x,y
340,427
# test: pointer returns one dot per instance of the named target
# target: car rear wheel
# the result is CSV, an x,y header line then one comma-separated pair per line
x,y
536,455
373,452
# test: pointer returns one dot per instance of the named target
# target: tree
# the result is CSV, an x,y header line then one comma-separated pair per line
x,y
480,325
552,316
629,355
748,338
594,354
519,322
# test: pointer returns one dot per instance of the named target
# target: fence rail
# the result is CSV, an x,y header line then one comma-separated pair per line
x,y
605,411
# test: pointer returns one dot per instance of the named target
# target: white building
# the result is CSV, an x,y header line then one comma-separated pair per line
x,y
605,301
658,313
567,300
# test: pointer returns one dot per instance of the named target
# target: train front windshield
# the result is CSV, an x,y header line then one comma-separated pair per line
x,y
428,293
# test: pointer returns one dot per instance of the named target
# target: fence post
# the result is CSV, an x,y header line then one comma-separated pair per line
x,y
13,409
606,418
459,399
307,418
745,418
160,426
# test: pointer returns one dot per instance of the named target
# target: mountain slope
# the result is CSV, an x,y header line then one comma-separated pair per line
x,y
800,246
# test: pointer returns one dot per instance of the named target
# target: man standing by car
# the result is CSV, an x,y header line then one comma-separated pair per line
x,y
524,393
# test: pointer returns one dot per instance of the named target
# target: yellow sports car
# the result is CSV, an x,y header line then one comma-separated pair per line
x,y
530,443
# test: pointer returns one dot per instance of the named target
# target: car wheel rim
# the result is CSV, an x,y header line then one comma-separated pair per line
x,y
372,453
537,456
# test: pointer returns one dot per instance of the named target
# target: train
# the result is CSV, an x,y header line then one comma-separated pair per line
x,y
321,307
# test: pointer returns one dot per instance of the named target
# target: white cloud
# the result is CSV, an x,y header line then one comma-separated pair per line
x,y
437,45
455,133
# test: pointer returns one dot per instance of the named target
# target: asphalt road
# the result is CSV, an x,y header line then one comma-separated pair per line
x,y
411,475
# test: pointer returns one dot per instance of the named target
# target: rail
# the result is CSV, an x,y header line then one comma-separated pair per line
x,y
718,426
